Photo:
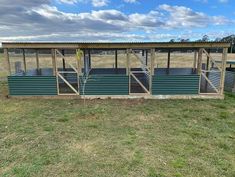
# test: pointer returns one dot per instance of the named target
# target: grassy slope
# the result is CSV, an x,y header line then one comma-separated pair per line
x,y
117,137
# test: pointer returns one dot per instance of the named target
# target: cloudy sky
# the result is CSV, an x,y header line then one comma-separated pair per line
x,y
115,20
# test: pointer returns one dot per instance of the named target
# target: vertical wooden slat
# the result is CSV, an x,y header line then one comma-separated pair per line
x,y
224,60
37,59
24,60
6,54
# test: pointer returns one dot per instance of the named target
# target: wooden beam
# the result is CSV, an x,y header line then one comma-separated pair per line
x,y
37,59
116,58
128,62
208,59
199,65
115,45
152,61
224,60
212,60
212,85
79,64
195,60
168,60
151,69
64,67
7,60
55,70
138,57
67,83
143,87
207,68
54,64
24,60
199,68
146,61
89,58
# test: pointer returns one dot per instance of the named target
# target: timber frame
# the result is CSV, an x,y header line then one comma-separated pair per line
x,y
199,48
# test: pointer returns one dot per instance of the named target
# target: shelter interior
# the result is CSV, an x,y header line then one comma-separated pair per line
x,y
134,70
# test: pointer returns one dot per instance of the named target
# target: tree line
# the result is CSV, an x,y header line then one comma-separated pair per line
x,y
230,39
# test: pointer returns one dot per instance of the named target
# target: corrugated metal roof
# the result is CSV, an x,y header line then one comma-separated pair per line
x,y
118,45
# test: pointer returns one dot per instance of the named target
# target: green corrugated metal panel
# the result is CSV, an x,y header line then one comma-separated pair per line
x,y
106,85
175,84
32,85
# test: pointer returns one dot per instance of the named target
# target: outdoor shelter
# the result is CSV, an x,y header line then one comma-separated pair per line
x,y
73,74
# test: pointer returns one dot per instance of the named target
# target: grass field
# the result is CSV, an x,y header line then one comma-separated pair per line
x,y
117,137
153,138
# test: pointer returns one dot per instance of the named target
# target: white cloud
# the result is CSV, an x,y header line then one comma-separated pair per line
x,y
130,1
223,1
68,1
100,3
42,21
180,16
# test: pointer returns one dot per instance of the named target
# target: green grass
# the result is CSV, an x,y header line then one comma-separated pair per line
x,y
153,138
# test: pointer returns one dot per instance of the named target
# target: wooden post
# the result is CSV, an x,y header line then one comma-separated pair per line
x,y
224,60
207,68
37,59
55,69
152,61
24,60
6,54
128,62
146,62
199,65
151,69
195,60
63,60
89,58
208,60
168,61
84,60
116,57
79,65
53,55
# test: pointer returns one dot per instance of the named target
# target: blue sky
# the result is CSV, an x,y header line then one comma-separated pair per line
x,y
115,20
